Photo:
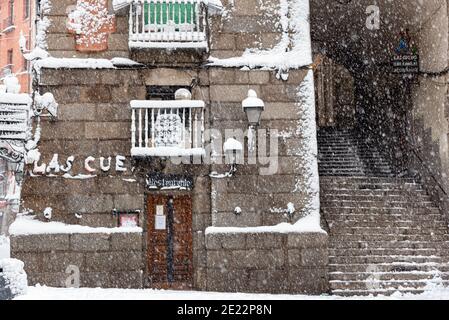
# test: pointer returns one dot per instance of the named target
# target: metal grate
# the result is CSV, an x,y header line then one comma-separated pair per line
x,y
163,92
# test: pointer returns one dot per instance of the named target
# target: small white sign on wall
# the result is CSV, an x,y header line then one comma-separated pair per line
x,y
159,210
160,222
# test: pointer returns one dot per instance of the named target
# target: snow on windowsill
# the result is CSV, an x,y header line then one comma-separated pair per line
x,y
308,224
27,225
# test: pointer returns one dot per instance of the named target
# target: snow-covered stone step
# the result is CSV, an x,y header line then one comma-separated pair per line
x,y
337,162
406,193
368,186
331,155
343,228
326,166
381,293
369,214
382,276
348,173
338,146
374,180
391,219
331,159
387,237
374,285
386,252
372,210
332,215
389,267
400,231
385,203
389,244
372,259
341,174
381,223
371,197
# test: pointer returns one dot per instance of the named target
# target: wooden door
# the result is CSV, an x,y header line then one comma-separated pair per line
x,y
170,255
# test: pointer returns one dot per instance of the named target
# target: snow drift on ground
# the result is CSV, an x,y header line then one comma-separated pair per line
x,y
434,292
16,278
4,247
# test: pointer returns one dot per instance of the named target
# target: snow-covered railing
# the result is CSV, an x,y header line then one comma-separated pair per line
x,y
6,70
14,116
167,128
7,25
167,24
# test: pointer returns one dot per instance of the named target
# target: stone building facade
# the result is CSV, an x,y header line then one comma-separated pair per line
x,y
241,229
17,19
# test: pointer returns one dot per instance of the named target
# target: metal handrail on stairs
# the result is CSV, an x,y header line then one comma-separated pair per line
x,y
412,147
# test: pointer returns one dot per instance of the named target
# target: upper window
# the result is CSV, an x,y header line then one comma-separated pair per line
x,y
10,57
26,64
26,9
11,12
3,178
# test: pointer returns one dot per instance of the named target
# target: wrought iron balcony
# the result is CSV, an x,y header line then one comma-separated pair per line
x,y
167,24
167,128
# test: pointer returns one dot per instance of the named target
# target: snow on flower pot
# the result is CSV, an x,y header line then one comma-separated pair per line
x,y
13,279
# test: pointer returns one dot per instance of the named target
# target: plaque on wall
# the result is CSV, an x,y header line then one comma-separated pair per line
x,y
405,64
156,181
160,223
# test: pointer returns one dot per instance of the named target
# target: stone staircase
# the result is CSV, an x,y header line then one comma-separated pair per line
x,y
341,153
386,235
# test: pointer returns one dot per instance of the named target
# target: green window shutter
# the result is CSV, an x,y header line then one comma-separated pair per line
x,y
177,12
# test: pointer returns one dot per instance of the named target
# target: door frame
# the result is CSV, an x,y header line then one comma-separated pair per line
x,y
158,193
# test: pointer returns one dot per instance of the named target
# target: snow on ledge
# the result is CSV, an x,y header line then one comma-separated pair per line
x,y
293,51
75,63
27,225
167,152
308,224
88,63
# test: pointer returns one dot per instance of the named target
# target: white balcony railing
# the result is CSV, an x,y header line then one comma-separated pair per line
x,y
167,24
14,118
167,128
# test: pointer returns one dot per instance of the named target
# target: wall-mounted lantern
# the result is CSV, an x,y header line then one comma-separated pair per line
x,y
253,107
232,149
